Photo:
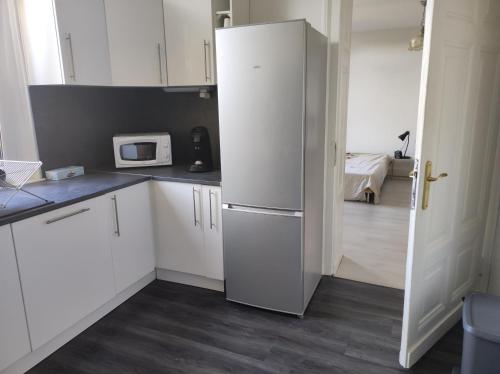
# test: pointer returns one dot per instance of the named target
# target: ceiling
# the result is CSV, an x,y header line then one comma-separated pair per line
x,y
371,15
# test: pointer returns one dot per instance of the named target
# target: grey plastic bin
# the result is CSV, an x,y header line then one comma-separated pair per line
x,y
481,321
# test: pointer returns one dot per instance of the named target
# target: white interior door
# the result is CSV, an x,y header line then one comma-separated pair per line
x,y
457,128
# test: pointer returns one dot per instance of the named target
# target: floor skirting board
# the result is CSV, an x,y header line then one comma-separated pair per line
x,y
33,358
190,279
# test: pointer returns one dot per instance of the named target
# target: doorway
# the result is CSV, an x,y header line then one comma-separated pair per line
x,y
380,142
456,134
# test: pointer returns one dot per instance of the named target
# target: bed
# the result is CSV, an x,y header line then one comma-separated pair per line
x,y
364,175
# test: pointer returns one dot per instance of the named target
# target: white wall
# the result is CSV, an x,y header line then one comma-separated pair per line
x,y
383,91
313,11
386,14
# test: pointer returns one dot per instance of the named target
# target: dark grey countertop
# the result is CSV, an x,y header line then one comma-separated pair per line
x,y
176,173
63,193
93,184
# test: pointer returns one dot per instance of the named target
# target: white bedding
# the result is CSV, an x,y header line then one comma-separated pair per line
x,y
364,173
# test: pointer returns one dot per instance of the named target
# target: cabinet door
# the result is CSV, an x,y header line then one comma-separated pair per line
x,y
14,341
212,233
132,230
137,42
179,227
83,41
188,31
65,267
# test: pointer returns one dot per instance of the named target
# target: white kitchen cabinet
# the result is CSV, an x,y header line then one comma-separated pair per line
x,y
65,42
188,228
212,232
14,340
189,32
136,36
131,229
65,266
178,227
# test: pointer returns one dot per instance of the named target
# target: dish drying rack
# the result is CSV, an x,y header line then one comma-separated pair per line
x,y
13,176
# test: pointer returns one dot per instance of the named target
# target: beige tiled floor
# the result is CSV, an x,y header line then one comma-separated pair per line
x,y
375,237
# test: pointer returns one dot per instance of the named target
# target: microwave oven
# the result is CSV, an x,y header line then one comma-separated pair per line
x,y
139,150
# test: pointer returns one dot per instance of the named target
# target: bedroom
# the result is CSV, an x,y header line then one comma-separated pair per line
x,y
380,141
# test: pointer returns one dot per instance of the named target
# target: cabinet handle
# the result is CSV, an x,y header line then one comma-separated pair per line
x,y
70,44
205,45
115,204
212,224
160,63
195,213
53,220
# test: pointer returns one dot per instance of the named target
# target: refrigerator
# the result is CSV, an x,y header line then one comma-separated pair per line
x,y
272,97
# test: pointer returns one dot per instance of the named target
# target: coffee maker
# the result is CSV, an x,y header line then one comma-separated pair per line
x,y
202,153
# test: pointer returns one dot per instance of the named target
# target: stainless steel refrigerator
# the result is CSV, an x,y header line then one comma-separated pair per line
x,y
271,92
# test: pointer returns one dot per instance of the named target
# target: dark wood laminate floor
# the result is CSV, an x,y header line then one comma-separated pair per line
x,y
349,328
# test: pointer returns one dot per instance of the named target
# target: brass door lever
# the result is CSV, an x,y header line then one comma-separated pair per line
x,y
427,183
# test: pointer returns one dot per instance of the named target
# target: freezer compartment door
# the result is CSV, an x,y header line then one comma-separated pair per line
x,y
261,113
263,258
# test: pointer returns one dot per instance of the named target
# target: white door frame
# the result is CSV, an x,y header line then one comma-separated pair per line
x,y
338,22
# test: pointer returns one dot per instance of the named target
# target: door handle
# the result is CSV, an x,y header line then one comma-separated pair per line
x,y
70,44
53,220
427,183
115,204
160,63
195,211
212,224
206,44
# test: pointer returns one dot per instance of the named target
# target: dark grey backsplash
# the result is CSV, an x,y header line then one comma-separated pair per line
x,y
75,125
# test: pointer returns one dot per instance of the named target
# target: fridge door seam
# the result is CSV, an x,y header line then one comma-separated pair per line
x,y
275,212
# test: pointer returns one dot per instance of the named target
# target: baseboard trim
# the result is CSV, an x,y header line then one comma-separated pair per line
x,y
189,279
432,337
33,358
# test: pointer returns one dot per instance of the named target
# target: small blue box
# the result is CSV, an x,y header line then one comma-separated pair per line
x,y
64,173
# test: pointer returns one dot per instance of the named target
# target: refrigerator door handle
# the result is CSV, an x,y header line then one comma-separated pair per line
x,y
268,211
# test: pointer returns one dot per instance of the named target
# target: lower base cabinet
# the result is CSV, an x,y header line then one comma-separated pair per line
x,y
65,267
14,340
131,229
212,232
73,260
188,228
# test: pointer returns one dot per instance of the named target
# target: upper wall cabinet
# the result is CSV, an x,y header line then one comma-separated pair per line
x,y
125,42
190,41
189,29
65,42
136,42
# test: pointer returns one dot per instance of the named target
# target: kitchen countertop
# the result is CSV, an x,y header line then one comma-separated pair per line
x,y
176,173
63,193
93,184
